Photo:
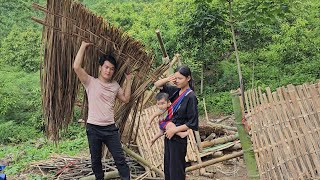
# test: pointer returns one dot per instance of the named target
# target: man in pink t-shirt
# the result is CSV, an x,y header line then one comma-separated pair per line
x,y
101,128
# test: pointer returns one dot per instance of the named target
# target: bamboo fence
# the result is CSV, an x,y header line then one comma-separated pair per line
x,y
65,26
285,128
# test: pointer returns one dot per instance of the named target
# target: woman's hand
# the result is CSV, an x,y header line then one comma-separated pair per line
x,y
172,79
171,132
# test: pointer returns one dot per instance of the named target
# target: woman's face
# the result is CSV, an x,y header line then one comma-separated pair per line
x,y
107,70
181,80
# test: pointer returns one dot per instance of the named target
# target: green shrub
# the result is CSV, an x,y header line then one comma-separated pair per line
x,y
10,132
219,103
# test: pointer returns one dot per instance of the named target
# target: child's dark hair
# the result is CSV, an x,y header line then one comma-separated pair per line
x,y
162,95
109,58
185,71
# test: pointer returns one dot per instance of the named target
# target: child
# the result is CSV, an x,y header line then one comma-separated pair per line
x,y
163,104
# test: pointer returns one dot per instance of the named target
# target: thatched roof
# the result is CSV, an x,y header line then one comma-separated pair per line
x,y
66,25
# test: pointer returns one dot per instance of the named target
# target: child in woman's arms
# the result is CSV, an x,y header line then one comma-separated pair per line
x,y
163,104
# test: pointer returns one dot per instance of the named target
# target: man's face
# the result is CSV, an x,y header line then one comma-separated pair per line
x,y
163,104
107,70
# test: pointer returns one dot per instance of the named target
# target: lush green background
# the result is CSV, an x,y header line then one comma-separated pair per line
x,y
278,44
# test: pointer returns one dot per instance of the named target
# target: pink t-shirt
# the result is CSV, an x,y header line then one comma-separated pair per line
x,y
101,99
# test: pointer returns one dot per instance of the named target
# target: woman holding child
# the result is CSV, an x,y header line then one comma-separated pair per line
x,y
184,114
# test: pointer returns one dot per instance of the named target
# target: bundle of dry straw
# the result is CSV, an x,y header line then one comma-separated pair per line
x,y
66,25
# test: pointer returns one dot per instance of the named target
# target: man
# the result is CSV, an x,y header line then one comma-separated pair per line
x,y
101,128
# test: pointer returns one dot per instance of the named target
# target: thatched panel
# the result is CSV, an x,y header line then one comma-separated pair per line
x,y
66,25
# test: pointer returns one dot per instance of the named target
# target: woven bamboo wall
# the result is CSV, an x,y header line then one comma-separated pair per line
x,y
285,131
155,153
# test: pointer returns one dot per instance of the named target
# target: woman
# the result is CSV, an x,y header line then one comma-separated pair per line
x,y
184,115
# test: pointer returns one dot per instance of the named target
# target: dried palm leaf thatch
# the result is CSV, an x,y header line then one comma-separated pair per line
x,y
66,25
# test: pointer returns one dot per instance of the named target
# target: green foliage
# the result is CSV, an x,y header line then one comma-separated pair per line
x,y
19,13
219,103
21,48
10,132
20,99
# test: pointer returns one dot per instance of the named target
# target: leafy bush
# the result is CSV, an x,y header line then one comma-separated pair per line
x,y
219,103
20,99
21,48
10,132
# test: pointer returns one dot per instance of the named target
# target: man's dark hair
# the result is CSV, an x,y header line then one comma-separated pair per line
x,y
162,95
109,58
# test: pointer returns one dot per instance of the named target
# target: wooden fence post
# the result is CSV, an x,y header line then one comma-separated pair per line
x,y
245,140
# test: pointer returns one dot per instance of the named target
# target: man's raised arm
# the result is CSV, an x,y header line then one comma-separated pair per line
x,y
81,73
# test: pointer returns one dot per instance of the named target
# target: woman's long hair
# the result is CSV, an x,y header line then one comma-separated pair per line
x,y
185,71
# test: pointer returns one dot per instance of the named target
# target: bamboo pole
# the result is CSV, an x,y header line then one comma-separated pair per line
x,y
205,108
107,175
245,140
219,140
198,139
214,161
142,161
220,126
163,49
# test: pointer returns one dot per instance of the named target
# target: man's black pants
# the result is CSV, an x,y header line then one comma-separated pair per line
x,y
175,151
108,135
